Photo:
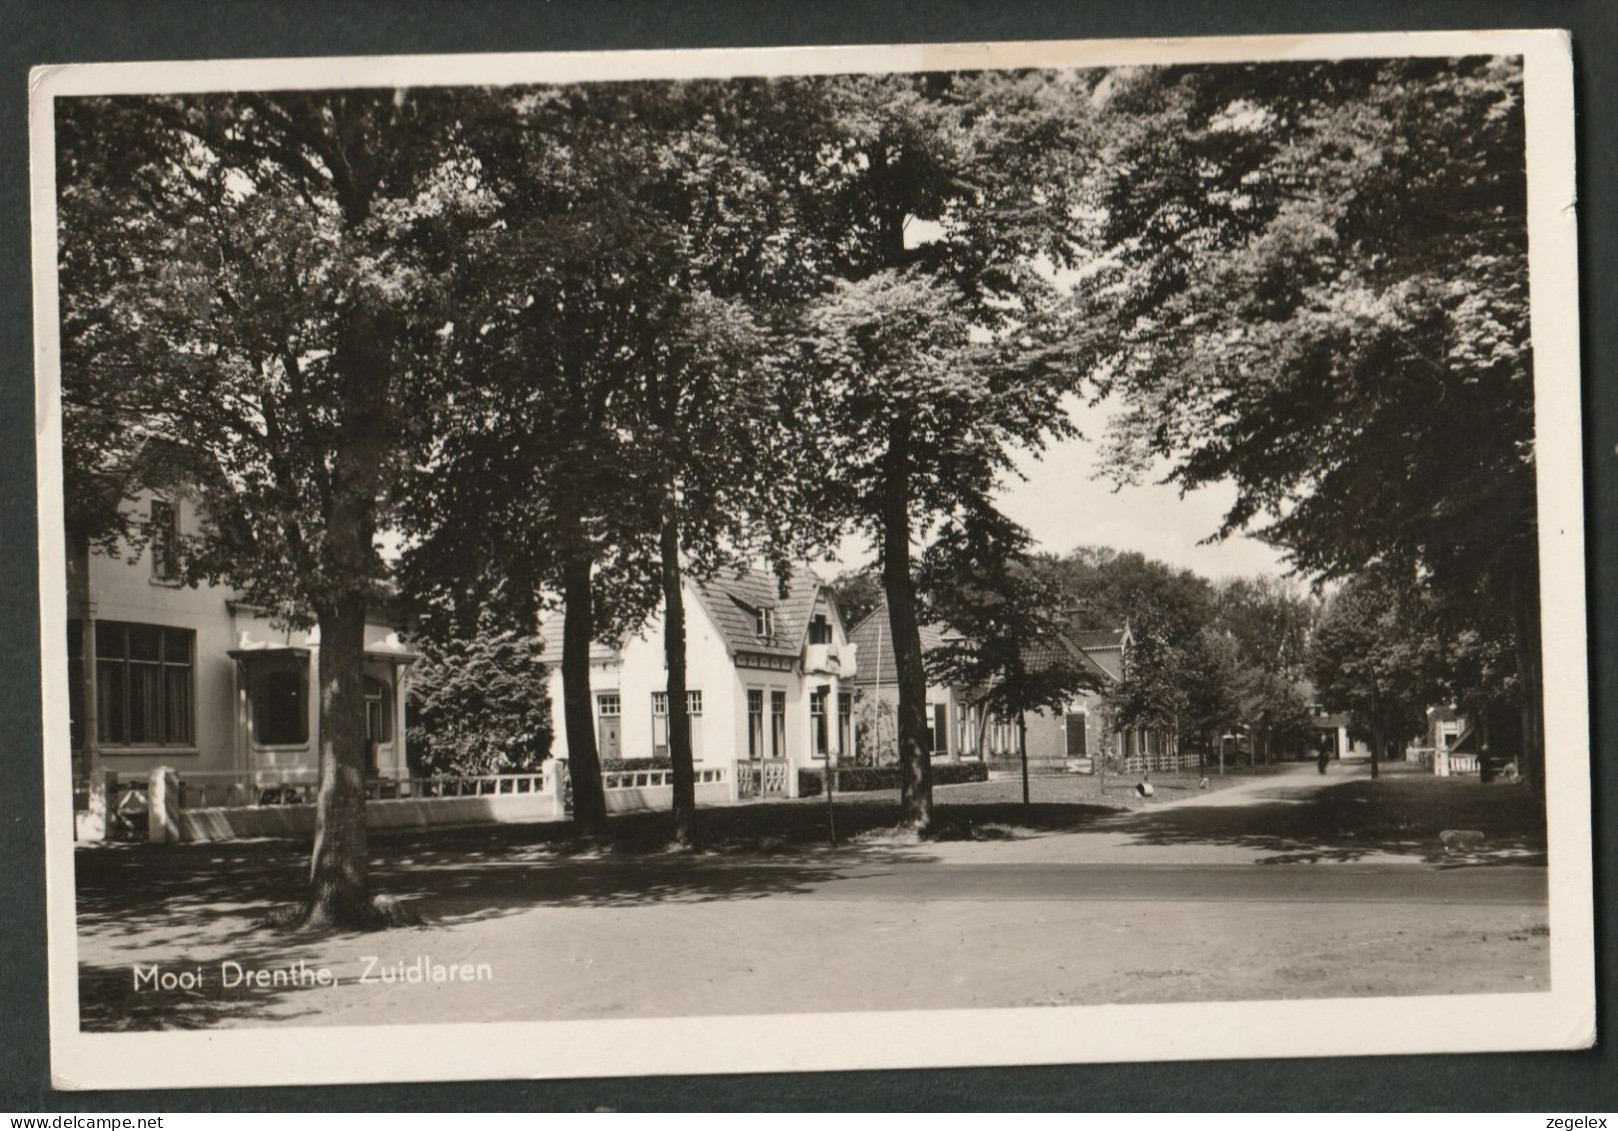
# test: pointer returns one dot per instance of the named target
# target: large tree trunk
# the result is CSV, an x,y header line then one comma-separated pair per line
x,y
339,889
681,760
578,713
915,762
339,884
1530,673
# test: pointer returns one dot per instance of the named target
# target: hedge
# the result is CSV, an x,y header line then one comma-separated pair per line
x,y
619,765
863,779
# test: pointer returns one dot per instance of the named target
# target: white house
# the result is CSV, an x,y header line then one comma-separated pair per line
x,y
768,676
193,679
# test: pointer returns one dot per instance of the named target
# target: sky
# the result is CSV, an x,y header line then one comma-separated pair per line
x,y
1063,506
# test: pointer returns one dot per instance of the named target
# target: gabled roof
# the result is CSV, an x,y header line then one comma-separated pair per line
x,y
733,599
874,642
550,635
1095,638
1043,654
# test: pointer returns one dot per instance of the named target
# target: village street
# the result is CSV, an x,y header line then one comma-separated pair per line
x,y
1224,896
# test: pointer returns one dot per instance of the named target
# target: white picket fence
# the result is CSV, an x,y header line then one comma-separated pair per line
x,y
1444,763
166,805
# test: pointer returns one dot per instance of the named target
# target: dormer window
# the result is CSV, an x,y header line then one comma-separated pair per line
x,y
820,630
764,623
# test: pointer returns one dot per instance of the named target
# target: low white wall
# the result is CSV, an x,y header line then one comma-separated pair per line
x,y
167,821
401,813
632,799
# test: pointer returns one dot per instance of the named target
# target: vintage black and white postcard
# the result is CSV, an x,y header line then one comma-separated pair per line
x,y
727,561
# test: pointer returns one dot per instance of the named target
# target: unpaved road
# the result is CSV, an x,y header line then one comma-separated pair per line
x,y
1214,899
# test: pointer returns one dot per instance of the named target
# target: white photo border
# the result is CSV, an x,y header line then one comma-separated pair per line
x,y
1561,1018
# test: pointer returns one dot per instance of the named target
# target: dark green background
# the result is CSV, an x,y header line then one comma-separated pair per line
x,y
64,32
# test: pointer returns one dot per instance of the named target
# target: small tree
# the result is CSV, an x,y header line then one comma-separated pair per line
x,y
1155,690
1007,644
1375,656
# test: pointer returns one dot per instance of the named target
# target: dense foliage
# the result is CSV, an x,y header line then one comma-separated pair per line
x,y
1318,293
478,705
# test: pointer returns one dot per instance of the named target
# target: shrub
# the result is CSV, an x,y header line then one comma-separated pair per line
x,y
955,773
478,705
864,779
619,765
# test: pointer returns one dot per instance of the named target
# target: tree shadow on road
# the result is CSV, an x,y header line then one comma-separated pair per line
x,y
1400,815
191,906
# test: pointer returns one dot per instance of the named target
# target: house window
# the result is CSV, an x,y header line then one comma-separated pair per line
x,y
1077,747
378,713
938,728
845,723
279,696
165,531
755,723
607,705
819,731
144,684
693,702
778,724
820,630
764,622
660,724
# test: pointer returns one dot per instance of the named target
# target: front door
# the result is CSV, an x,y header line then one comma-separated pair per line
x,y
608,741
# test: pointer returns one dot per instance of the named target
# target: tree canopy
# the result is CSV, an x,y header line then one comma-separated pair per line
x,y
1317,292
248,293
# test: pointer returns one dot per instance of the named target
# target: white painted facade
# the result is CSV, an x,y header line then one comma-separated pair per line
x,y
736,720
219,662
636,672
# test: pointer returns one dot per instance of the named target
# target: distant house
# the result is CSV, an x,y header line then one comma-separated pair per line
x,y
165,674
959,725
876,686
1448,729
1083,729
768,674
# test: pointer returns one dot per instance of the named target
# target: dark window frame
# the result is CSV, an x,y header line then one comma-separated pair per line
x,y
778,724
755,723
283,702
819,724
938,728
384,700
116,690
163,523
